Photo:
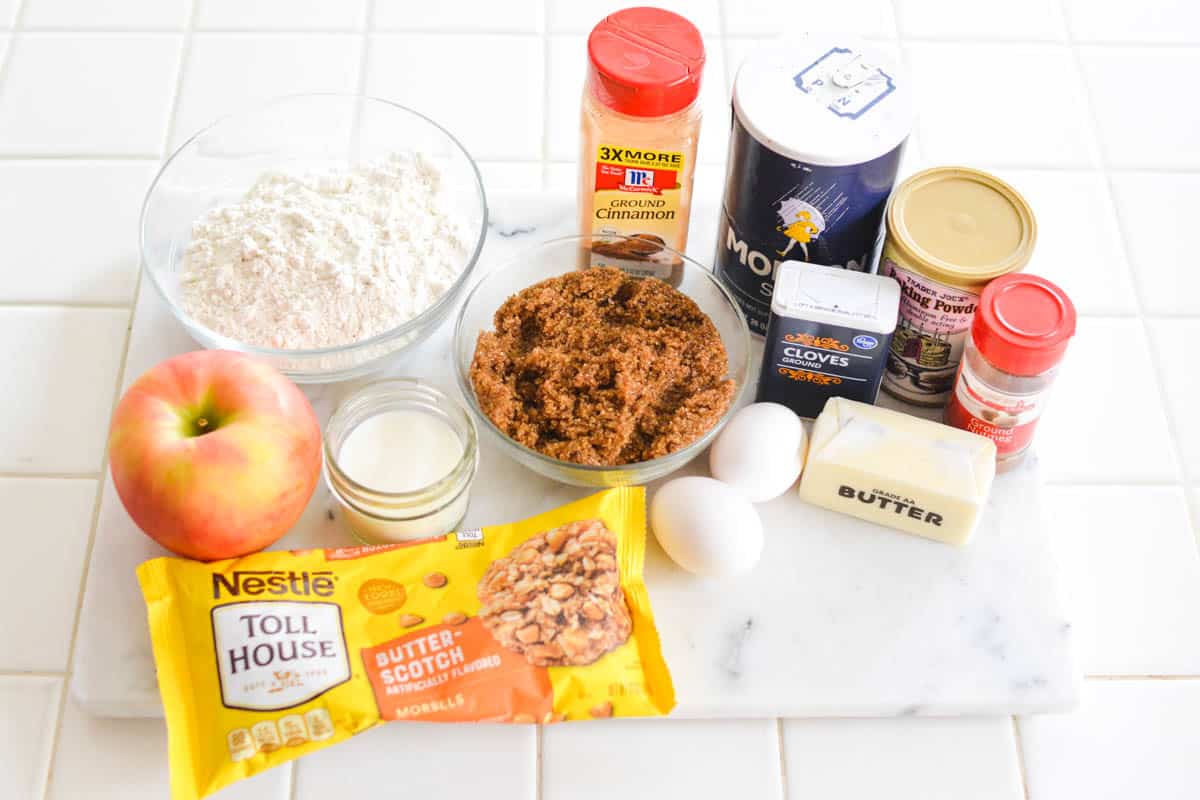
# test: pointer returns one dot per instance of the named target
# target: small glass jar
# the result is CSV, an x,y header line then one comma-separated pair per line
x,y
1010,359
383,514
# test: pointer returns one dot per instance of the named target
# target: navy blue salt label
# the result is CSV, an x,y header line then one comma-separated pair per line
x,y
778,209
805,363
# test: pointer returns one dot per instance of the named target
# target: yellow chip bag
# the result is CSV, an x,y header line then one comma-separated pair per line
x,y
266,658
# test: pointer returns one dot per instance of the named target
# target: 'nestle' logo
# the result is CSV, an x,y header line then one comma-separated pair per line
x,y
266,581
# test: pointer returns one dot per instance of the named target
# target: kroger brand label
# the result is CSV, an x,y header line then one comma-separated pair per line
x,y
933,324
276,654
779,209
809,362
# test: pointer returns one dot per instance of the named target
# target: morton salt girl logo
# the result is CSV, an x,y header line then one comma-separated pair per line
x,y
800,222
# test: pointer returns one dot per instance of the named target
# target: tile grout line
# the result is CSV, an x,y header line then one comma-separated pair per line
x,y
40,305
1132,483
31,673
779,745
136,158
76,157
1138,678
64,695
13,34
1156,364
545,157
184,54
538,788
955,39
1016,730
57,476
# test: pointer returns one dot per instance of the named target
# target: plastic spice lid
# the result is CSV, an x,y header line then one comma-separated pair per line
x,y
645,62
963,226
1023,324
825,99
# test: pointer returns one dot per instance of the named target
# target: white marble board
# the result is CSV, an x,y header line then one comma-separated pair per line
x,y
840,618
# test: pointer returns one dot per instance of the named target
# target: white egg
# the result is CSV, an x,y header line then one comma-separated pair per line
x,y
760,452
706,527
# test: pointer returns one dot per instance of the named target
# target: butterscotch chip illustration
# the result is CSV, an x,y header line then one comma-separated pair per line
x,y
434,580
320,726
409,620
241,745
556,598
454,618
266,736
293,729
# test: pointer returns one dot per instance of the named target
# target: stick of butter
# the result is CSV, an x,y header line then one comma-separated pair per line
x,y
911,474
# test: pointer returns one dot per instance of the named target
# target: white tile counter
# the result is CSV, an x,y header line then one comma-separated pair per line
x,y
1085,105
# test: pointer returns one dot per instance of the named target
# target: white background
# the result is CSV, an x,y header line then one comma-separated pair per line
x,y
1087,106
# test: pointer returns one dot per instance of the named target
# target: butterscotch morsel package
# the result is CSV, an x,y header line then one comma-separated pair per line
x,y
266,658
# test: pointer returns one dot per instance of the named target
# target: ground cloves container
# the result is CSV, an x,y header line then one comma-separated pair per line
x,y
400,457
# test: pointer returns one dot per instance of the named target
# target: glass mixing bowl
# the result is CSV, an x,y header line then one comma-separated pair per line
x,y
563,255
303,132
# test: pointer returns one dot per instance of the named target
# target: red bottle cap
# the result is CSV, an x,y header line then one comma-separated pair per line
x,y
1023,324
645,62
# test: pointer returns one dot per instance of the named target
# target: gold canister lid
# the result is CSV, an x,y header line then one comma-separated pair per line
x,y
961,226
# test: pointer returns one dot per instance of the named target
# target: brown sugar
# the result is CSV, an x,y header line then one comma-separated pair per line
x,y
597,367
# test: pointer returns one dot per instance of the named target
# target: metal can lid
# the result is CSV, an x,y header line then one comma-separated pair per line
x,y
1023,324
824,99
961,226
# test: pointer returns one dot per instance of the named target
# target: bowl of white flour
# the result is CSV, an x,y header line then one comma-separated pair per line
x,y
324,234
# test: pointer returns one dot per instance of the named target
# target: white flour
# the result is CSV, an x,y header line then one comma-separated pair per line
x,y
324,259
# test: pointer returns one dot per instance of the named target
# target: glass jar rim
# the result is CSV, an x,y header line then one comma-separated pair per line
x,y
392,394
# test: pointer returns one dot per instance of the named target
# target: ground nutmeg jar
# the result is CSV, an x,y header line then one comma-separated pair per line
x,y
1017,340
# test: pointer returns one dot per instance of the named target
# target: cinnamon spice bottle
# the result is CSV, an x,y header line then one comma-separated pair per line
x,y
639,127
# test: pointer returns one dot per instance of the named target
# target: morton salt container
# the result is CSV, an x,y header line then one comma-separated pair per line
x,y
818,127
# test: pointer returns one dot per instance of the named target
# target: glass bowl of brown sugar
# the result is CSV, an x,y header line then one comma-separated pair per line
x,y
601,375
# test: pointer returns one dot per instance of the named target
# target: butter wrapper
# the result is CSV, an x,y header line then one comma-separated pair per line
x,y
893,469
266,658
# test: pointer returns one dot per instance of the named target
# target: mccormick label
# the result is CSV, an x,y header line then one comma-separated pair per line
x,y
1007,420
932,330
779,209
638,196
809,362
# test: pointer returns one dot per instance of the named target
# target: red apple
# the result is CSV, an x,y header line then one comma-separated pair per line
x,y
214,454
